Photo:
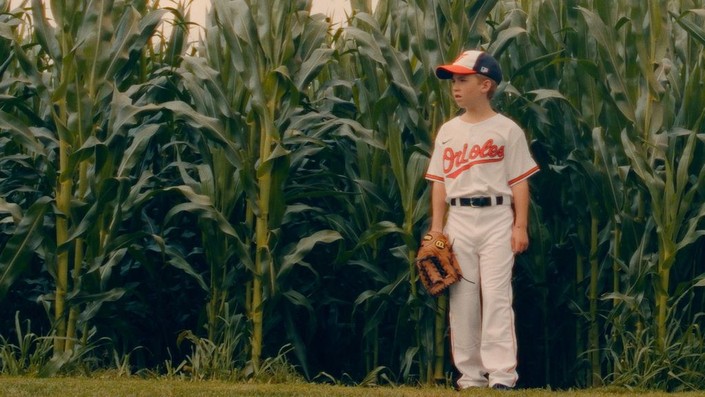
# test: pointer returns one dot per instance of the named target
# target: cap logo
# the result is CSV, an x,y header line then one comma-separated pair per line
x,y
484,70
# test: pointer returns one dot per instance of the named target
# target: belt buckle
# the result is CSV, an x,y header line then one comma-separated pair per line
x,y
480,202
475,202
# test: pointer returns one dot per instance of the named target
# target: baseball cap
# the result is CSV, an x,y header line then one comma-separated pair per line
x,y
472,62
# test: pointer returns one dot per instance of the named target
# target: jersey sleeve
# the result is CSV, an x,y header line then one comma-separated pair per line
x,y
434,172
520,164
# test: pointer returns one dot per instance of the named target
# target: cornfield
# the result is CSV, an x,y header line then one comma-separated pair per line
x,y
259,193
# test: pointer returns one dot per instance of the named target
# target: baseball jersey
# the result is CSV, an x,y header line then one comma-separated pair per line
x,y
481,159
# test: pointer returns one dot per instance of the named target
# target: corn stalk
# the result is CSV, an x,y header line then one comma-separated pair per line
x,y
274,53
75,71
82,72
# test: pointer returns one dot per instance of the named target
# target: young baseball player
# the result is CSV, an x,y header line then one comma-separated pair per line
x,y
480,199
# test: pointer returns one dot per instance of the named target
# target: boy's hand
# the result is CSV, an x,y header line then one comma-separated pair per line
x,y
520,239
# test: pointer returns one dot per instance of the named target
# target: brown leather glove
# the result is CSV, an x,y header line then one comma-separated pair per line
x,y
436,263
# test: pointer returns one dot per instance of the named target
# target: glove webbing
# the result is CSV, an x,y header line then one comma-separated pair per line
x,y
437,265
441,269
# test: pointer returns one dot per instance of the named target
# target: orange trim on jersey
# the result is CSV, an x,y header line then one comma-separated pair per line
x,y
434,177
523,176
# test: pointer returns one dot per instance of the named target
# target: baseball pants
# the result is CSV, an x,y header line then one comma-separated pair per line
x,y
483,338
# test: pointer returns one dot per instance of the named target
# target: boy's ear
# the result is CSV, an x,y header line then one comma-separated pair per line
x,y
486,84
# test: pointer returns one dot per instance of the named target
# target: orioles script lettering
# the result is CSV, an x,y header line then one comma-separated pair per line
x,y
454,163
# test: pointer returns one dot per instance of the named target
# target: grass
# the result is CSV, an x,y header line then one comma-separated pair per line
x,y
133,386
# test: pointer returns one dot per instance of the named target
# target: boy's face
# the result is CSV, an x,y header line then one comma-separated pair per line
x,y
468,89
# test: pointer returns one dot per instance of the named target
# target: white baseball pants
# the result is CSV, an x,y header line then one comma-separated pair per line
x,y
483,338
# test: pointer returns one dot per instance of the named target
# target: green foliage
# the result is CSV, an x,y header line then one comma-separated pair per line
x,y
32,355
29,356
642,360
263,188
223,359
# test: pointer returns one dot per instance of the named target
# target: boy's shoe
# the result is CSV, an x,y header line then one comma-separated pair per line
x,y
500,386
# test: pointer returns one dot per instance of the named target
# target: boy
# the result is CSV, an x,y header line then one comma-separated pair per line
x,y
480,199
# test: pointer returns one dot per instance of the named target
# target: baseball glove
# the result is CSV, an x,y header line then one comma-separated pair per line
x,y
436,264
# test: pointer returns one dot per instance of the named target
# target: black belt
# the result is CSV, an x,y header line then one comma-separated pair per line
x,y
477,201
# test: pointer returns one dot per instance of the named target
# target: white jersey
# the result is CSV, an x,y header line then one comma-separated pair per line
x,y
482,159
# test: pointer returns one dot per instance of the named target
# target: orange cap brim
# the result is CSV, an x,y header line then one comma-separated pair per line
x,y
447,71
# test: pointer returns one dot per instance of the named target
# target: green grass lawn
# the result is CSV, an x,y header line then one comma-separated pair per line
x,y
80,387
